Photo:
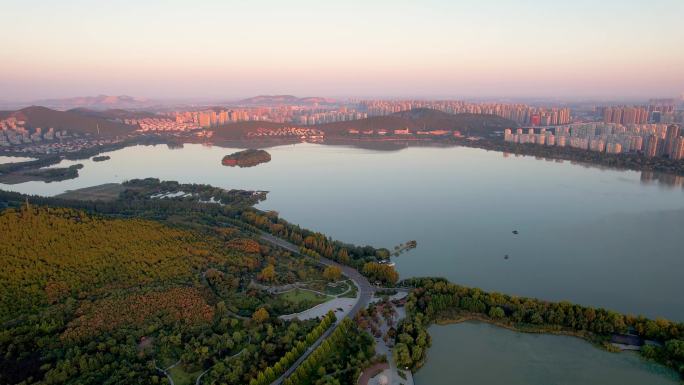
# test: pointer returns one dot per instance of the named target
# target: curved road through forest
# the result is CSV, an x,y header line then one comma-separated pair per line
x,y
365,294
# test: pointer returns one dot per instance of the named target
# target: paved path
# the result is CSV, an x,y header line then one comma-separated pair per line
x,y
365,294
198,381
339,306
166,371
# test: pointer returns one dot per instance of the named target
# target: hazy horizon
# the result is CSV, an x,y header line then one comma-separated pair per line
x,y
203,100
610,50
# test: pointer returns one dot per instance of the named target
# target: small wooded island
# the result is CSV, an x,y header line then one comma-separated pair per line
x,y
246,158
101,158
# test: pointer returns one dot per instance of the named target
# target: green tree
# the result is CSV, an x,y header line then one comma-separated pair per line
x,y
497,312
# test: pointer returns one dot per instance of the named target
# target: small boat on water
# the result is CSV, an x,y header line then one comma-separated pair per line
x,y
515,232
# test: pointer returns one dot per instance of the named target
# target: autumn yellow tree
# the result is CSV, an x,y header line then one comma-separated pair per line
x,y
268,274
332,273
380,272
261,315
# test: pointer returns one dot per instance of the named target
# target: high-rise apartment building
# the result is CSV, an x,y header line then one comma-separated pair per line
x,y
678,149
671,138
625,115
651,146
204,119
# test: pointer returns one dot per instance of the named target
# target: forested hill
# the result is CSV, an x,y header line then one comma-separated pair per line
x,y
239,130
50,254
416,119
425,119
466,122
91,300
106,296
74,122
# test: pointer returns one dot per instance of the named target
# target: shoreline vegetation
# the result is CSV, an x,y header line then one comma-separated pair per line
x,y
438,301
31,170
56,174
635,162
246,158
462,317
47,175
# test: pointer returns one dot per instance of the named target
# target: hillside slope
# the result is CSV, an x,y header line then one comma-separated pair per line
x,y
238,130
100,102
43,117
50,254
87,299
276,100
115,113
425,118
466,122
416,119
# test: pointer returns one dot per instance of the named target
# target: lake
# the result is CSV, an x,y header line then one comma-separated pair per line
x,y
588,235
477,353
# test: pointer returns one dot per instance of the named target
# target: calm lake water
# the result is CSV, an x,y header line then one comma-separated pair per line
x,y
478,353
592,236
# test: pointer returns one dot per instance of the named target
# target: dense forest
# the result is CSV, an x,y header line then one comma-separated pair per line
x,y
338,360
437,300
114,299
49,254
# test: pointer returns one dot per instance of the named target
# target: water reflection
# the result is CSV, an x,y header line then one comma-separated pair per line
x,y
670,180
647,176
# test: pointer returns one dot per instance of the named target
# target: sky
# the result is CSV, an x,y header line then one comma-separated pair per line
x,y
228,49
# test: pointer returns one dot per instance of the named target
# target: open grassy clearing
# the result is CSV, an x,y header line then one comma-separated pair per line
x,y
181,377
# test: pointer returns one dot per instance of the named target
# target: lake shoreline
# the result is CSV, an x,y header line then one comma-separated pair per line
x,y
583,335
620,162
441,302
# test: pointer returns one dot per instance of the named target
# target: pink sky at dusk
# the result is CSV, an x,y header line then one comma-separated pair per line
x,y
224,49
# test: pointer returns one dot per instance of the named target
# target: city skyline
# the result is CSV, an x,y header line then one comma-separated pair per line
x,y
161,50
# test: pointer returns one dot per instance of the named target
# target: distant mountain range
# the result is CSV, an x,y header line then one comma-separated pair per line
x,y
277,100
113,114
109,102
100,102
76,121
